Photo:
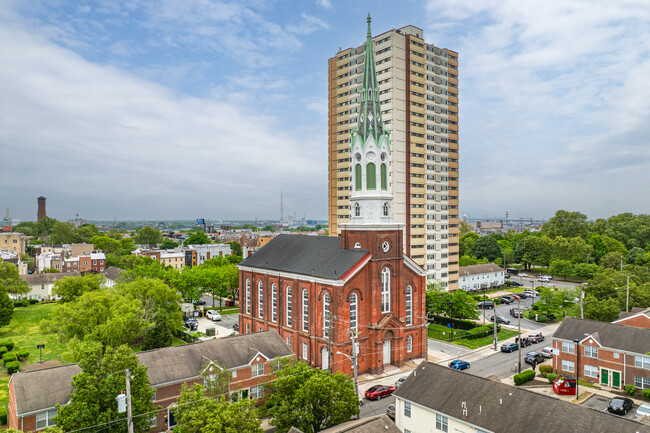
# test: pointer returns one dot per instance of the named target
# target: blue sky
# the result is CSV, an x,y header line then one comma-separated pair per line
x,y
196,108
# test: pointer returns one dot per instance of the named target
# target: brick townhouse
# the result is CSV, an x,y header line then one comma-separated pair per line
x,y
610,354
249,358
639,317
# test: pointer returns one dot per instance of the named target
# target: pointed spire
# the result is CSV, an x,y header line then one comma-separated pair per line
x,y
370,123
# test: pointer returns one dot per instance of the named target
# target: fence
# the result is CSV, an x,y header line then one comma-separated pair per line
x,y
186,337
440,332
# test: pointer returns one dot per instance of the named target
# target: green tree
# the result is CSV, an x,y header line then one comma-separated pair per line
x,y
605,310
586,271
70,288
216,379
465,228
268,228
197,413
613,260
466,244
6,308
599,247
103,316
561,268
311,399
198,238
10,281
615,246
168,244
102,378
633,254
235,248
487,247
567,224
63,233
86,232
106,244
44,226
148,236
459,304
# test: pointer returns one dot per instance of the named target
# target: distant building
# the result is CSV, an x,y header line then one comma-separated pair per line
x,y
93,262
483,276
40,286
41,208
209,251
13,241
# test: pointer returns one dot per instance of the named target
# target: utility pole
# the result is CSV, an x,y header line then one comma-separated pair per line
x,y
519,332
627,296
129,420
329,345
495,328
582,312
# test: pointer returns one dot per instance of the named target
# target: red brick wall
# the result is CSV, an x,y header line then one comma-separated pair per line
x,y
641,321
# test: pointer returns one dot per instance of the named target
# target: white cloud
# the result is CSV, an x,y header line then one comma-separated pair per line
x,y
106,142
325,4
554,102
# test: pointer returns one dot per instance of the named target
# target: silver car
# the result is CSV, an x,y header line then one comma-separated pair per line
x,y
643,410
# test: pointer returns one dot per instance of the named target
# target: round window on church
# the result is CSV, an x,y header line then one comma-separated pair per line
x,y
357,157
383,157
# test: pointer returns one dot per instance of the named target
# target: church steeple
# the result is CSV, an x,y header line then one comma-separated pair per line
x,y
370,124
371,197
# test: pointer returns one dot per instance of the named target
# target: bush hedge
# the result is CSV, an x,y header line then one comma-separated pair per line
x,y
3,350
9,357
551,377
524,376
630,389
455,323
21,303
8,344
33,301
22,354
646,393
13,367
544,370
3,415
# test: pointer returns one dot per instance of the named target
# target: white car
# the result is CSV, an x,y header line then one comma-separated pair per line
x,y
547,352
643,410
213,315
544,279
522,274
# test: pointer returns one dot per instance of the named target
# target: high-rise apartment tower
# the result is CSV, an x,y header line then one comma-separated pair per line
x,y
418,86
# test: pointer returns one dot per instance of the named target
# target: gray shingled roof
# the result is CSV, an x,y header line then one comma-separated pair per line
x,y
169,364
45,278
503,408
378,423
483,268
612,335
317,256
113,273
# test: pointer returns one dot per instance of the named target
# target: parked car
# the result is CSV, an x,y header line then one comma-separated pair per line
x,y
399,382
213,315
523,274
534,357
486,305
199,302
509,347
524,295
643,410
506,275
507,299
459,364
500,319
390,411
532,292
620,405
516,283
514,312
536,338
547,352
544,279
378,391
235,327
191,323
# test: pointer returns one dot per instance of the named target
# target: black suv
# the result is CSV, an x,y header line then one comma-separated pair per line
x,y
486,305
524,341
500,319
191,323
534,357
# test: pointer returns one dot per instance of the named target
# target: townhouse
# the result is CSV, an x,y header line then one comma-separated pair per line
x,y
609,354
435,398
249,358
477,277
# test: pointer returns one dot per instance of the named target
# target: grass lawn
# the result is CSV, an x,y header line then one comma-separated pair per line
x,y
502,335
23,331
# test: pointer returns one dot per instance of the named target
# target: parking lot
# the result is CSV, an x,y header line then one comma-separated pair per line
x,y
600,403
222,328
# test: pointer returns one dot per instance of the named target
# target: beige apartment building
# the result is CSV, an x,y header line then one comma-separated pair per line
x,y
418,85
12,241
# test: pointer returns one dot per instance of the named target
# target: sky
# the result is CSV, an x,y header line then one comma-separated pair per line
x,y
190,109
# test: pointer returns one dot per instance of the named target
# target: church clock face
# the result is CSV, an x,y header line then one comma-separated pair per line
x,y
385,246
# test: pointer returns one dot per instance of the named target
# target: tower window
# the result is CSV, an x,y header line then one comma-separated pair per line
x,y
385,290
371,176
386,209
357,177
357,210
384,176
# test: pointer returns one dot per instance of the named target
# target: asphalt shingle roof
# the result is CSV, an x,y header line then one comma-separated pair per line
x,y
503,408
169,364
317,256
612,335
483,268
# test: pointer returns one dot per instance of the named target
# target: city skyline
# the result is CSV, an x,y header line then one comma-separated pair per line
x,y
206,109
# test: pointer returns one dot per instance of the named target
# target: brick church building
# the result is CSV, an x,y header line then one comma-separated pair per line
x,y
322,293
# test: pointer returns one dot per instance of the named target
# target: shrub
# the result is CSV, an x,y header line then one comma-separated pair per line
x,y
544,370
479,332
22,354
524,376
8,344
13,367
551,377
646,393
3,350
33,301
9,357
496,301
21,303
3,415
542,318
630,389
534,307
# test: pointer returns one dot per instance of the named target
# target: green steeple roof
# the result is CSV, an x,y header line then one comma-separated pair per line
x,y
370,124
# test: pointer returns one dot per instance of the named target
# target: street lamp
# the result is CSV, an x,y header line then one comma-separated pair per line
x,y
577,342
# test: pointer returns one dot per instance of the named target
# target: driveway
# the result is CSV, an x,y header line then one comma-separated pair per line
x,y
222,328
600,403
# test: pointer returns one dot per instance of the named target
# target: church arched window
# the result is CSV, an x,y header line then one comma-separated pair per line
x,y
384,177
357,209
371,176
357,177
386,209
385,290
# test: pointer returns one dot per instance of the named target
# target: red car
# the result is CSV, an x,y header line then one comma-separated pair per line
x,y
378,391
